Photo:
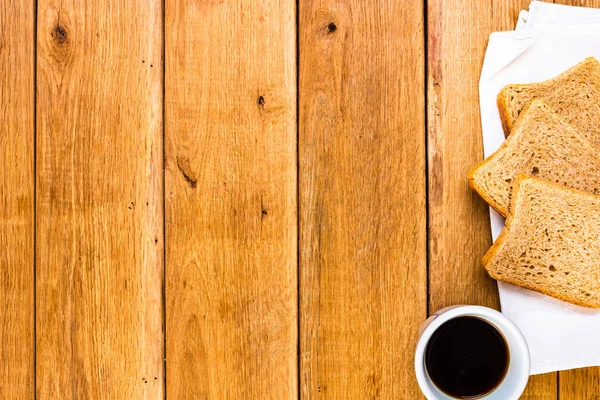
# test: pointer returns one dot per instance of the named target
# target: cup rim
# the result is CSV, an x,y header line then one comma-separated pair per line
x,y
505,326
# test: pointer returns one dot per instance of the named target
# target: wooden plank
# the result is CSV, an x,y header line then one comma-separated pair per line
x,y
362,197
579,3
99,200
231,199
580,384
16,201
458,218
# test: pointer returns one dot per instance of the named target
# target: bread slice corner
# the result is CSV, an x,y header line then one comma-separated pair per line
x,y
551,242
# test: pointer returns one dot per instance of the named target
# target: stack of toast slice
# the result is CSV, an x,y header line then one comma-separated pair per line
x,y
541,144
545,178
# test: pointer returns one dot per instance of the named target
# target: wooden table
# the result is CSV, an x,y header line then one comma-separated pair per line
x,y
218,199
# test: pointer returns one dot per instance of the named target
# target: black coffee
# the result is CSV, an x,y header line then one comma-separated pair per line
x,y
466,357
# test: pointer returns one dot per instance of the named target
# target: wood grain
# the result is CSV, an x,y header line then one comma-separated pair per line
x,y
99,200
579,3
362,197
16,202
580,384
459,226
231,199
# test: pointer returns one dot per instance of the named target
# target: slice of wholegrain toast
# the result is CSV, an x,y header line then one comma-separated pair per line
x,y
574,94
551,242
541,144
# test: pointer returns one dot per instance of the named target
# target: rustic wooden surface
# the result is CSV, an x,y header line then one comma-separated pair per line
x,y
314,195
17,20
580,384
362,197
99,260
231,200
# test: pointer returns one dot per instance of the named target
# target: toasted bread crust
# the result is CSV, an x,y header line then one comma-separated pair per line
x,y
502,101
546,292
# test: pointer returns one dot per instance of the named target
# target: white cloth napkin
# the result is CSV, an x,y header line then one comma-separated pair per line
x,y
549,39
548,14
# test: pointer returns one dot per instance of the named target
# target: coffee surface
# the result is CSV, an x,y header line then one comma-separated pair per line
x,y
467,357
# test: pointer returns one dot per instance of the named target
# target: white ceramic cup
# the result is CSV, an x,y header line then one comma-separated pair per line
x,y
517,374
